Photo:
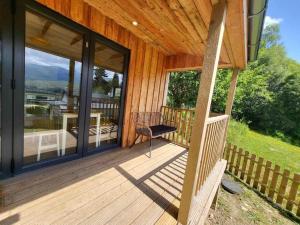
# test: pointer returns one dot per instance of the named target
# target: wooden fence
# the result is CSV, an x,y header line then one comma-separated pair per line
x,y
278,185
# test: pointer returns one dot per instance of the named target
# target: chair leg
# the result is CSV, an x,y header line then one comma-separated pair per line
x,y
134,141
150,147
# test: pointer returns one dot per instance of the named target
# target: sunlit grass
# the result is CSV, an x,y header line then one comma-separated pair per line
x,y
287,156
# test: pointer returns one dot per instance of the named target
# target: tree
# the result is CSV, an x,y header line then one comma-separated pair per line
x,y
100,84
268,90
183,87
115,83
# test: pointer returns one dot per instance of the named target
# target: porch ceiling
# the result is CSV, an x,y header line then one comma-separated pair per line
x,y
180,27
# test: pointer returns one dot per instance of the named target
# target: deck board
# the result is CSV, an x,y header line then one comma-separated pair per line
x,y
117,187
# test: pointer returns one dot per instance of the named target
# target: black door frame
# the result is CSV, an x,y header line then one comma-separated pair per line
x,y
17,101
6,72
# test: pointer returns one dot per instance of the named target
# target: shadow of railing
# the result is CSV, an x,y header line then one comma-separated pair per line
x,y
175,184
30,186
10,220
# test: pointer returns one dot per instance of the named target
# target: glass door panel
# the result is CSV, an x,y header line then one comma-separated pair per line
x,y
107,84
53,65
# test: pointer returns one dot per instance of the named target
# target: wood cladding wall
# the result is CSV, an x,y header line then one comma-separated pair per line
x,y
146,75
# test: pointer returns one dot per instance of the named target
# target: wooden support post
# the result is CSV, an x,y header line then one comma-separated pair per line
x,y
230,99
231,92
207,82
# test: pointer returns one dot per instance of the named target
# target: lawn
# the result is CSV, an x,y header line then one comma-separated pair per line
x,y
287,156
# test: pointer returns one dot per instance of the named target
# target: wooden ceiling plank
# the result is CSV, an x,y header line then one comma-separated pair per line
x,y
76,39
138,13
111,10
164,8
195,18
152,10
165,26
181,15
46,27
204,7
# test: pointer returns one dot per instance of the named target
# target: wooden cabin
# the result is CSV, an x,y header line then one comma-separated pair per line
x,y
72,74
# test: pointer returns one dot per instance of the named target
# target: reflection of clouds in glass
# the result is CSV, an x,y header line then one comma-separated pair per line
x,y
77,71
45,59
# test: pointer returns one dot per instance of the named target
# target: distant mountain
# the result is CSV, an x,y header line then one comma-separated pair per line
x,y
47,73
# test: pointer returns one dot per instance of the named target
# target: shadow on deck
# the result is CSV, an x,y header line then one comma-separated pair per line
x,y
117,187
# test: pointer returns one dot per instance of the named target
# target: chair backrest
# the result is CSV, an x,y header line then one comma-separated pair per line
x,y
142,119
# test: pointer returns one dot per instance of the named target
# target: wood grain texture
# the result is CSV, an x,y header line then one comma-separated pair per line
x,y
177,26
146,75
207,82
117,187
183,62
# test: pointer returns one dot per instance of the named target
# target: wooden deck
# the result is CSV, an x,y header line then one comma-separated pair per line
x,y
116,187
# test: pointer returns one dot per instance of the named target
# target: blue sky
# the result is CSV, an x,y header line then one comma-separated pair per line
x,y
287,14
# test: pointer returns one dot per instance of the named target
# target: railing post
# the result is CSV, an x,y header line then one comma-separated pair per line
x,y
207,82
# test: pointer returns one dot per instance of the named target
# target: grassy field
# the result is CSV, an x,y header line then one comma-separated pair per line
x,y
287,156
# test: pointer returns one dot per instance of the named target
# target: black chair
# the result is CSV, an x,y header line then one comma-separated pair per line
x,y
152,125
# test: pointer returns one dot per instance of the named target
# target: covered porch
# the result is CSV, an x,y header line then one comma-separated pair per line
x,y
179,183
118,187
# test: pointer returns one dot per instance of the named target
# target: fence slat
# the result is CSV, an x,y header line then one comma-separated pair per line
x,y
282,188
238,161
257,172
266,177
228,150
293,192
245,162
274,182
251,166
232,158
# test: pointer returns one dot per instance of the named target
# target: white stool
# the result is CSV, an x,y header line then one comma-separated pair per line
x,y
42,147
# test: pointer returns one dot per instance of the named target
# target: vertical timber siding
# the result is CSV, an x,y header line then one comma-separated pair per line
x,y
146,74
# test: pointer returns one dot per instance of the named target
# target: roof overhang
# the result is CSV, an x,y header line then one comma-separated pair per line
x,y
180,27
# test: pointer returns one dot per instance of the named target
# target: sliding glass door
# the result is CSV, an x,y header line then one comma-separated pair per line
x,y
70,88
53,65
105,94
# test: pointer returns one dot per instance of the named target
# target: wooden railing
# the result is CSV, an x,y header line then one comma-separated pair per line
x,y
183,119
214,139
107,106
213,147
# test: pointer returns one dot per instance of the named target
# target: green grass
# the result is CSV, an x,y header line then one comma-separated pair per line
x,y
287,156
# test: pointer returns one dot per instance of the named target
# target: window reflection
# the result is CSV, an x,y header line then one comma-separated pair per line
x,y
106,96
52,89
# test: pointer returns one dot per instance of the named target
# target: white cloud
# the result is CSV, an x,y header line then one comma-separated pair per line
x,y
270,20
